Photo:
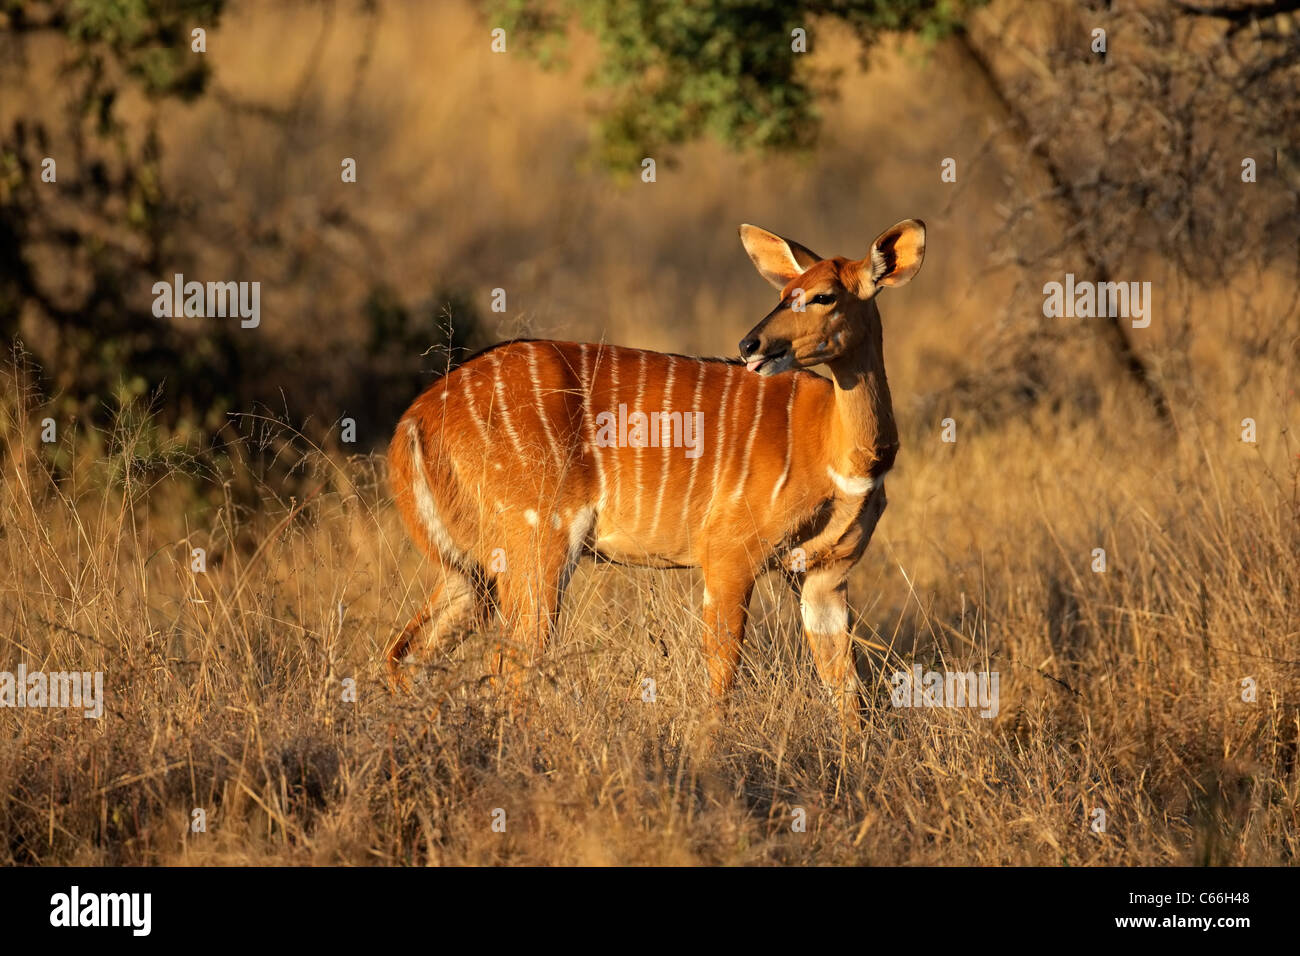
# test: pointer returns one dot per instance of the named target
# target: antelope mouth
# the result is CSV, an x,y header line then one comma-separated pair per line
x,y
769,364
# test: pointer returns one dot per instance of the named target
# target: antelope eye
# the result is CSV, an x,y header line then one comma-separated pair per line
x,y
824,299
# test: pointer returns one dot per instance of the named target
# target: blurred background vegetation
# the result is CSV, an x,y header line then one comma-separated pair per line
x,y
679,71
480,170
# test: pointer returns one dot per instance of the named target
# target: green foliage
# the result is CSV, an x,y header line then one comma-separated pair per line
x,y
727,69
151,38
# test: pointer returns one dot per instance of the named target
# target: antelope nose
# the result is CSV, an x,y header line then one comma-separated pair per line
x,y
748,346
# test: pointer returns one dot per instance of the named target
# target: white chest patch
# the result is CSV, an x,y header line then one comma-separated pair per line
x,y
851,485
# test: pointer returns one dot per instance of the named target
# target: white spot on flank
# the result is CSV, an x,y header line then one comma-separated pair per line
x,y
531,517
555,520
850,485
497,466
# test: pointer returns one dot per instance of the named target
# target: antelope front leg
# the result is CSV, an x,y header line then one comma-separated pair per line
x,y
726,604
823,605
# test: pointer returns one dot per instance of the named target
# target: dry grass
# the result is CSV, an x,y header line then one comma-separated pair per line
x,y
1118,690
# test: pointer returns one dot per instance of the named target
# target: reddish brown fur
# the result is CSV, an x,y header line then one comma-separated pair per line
x,y
500,480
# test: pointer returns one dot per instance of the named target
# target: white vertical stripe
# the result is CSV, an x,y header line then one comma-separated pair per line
x,y
749,443
789,438
425,505
588,383
615,356
719,446
666,459
541,405
639,457
699,436
499,390
733,427
464,374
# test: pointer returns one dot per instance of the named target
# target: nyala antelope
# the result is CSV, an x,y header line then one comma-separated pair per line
x,y
507,470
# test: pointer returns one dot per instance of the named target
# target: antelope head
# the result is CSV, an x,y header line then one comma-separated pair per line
x,y
826,310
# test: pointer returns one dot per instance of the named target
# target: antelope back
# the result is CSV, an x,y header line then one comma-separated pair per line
x,y
646,457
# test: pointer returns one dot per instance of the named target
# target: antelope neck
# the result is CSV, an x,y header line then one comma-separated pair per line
x,y
864,435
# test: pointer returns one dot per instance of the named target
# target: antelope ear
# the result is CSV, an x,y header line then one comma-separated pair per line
x,y
777,260
897,253
895,257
